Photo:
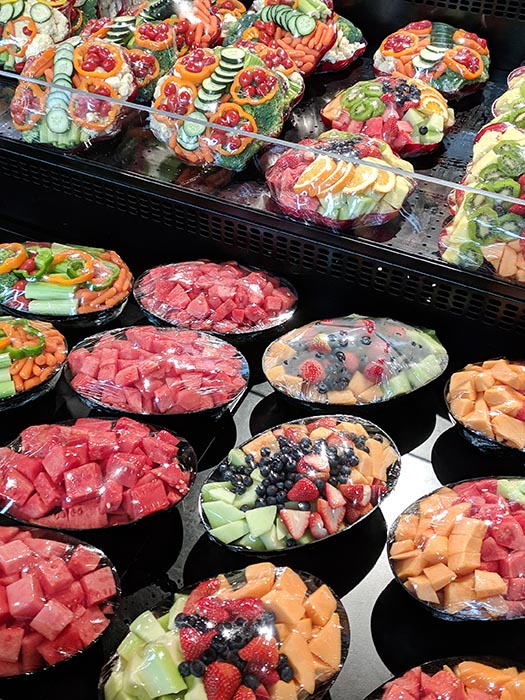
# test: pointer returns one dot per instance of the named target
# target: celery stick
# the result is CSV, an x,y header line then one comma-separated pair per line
x,y
7,389
313,7
5,360
47,290
59,248
159,673
5,374
53,307
147,628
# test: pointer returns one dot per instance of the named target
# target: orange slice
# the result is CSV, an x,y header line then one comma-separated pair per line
x,y
364,177
337,179
385,181
315,175
434,105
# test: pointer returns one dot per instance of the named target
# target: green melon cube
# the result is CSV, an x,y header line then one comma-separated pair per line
x,y
260,520
216,492
219,513
250,542
230,532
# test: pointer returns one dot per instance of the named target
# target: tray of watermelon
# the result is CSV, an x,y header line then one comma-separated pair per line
x,y
57,597
157,371
93,473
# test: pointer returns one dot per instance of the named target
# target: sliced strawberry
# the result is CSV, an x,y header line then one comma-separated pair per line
x,y
377,493
518,208
296,521
261,650
213,608
325,422
375,371
204,589
312,371
194,643
303,490
332,517
353,513
356,494
265,674
521,181
261,693
244,693
319,343
248,608
317,527
351,362
221,681
314,465
334,497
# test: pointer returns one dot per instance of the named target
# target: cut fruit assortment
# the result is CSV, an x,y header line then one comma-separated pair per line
x,y
510,107
55,280
487,399
353,360
150,370
57,596
32,354
261,632
223,298
93,473
461,550
324,189
453,61
409,115
298,483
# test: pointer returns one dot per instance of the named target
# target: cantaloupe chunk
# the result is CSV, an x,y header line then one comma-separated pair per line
x,y
407,527
300,659
471,367
493,253
483,381
461,382
509,429
508,263
358,478
488,583
282,630
479,419
355,428
410,567
470,526
430,505
401,547
464,562
390,456
275,374
459,593
285,606
366,465
485,678
439,575
283,691
359,383
371,395
500,394
515,689
323,671
305,627
489,364
510,408
425,528
320,605
327,643
462,406
294,386
435,549
447,497
446,522
281,350
255,446
291,582
405,555
423,588
225,586
321,433
259,581
344,397
463,543
376,452
503,371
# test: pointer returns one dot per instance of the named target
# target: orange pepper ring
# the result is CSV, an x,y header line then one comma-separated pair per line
x,y
80,51
142,82
460,68
185,74
245,140
149,43
34,115
91,126
459,37
236,86
15,260
165,119
13,48
403,52
84,277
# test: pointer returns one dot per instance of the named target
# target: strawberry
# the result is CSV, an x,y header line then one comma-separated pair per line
x,y
353,513
319,343
334,497
356,494
194,643
518,208
261,693
303,490
374,371
265,674
221,681
295,433
248,608
377,493
351,362
325,422
312,371
296,521
332,517
317,527
244,693
319,463
339,440
204,589
261,650
213,608
521,182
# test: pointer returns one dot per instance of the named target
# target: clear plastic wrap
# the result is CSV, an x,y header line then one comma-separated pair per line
x,y
266,631
149,370
452,60
349,45
223,298
487,400
487,231
93,473
461,550
77,284
353,360
331,190
69,120
57,595
409,115
299,483
32,355
230,86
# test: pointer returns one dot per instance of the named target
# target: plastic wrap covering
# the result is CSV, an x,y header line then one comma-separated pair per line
x,y
32,354
224,298
55,281
73,120
57,597
486,231
452,60
151,370
299,483
510,107
264,630
93,473
353,360
487,399
231,87
349,45
409,115
460,550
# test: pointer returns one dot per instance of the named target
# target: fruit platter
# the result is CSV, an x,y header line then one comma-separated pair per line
x,y
328,189
223,298
32,354
510,107
86,286
487,401
475,678
263,631
148,370
460,550
73,121
353,360
227,87
57,597
409,115
485,232
298,483
453,61
93,473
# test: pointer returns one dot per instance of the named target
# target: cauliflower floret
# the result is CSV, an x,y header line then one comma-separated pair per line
x,y
57,26
162,132
41,42
227,21
384,64
122,82
257,6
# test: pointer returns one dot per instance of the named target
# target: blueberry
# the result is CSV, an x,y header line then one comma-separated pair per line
x,y
208,656
225,626
265,452
288,484
259,502
184,669
306,444
271,501
342,479
286,674
378,437
303,505
340,356
271,490
279,485
283,661
240,490
265,471
250,682
345,470
366,340
343,342
332,480
296,453
353,460
180,620
198,668
268,617
260,490
247,481
281,497
274,478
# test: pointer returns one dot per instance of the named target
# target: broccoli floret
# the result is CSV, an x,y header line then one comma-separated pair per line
x,y
7,280
350,31
247,20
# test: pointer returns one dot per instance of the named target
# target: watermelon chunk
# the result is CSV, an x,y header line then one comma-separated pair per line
x,y
516,590
445,685
10,643
148,498
99,585
513,566
102,444
83,561
72,596
126,469
4,606
91,624
30,656
490,551
52,619
83,483
15,487
14,556
53,575
24,597
508,533
25,464
124,425
50,495
66,644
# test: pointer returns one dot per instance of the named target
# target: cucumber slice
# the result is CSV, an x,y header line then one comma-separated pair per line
x,y
40,12
58,120
223,80
18,8
285,18
6,13
62,79
281,11
232,56
63,65
188,143
266,13
194,129
430,56
304,25
63,52
420,64
435,49
209,85
204,106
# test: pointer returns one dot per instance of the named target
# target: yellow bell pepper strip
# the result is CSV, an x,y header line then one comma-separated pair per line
x,y
97,59
27,106
11,262
465,61
400,44
13,42
197,65
80,20
254,86
175,95
154,37
82,105
473,41
233,115
142,63
65,277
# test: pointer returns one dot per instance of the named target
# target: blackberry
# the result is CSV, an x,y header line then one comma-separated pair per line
x,y
184,669
250,681
201,625
198,668
180,620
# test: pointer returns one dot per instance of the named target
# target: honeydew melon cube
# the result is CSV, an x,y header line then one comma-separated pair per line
x,y
220,513
230,532
178,606
254,543
130,645
248,498
270,539
218,491
260,520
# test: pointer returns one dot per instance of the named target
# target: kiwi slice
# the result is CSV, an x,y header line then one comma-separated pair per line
x,y
481,225
377,105
476,201
509,227
511,164
504,147
491,172
470,256
506,187
360,110
372,89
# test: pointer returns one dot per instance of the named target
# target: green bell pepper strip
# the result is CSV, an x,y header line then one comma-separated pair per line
x,y
42,260
25,350
115,272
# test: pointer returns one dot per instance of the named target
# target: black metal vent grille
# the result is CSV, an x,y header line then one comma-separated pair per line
x,y
506,9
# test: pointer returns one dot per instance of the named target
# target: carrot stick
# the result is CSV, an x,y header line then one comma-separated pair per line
x,y
27,369
18,382
40,360
119,282
30,383
16,366
102,298
37,371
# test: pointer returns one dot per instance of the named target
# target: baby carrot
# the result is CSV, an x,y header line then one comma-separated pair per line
x,y
18,382
30,383
102,298
50,359
27,369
